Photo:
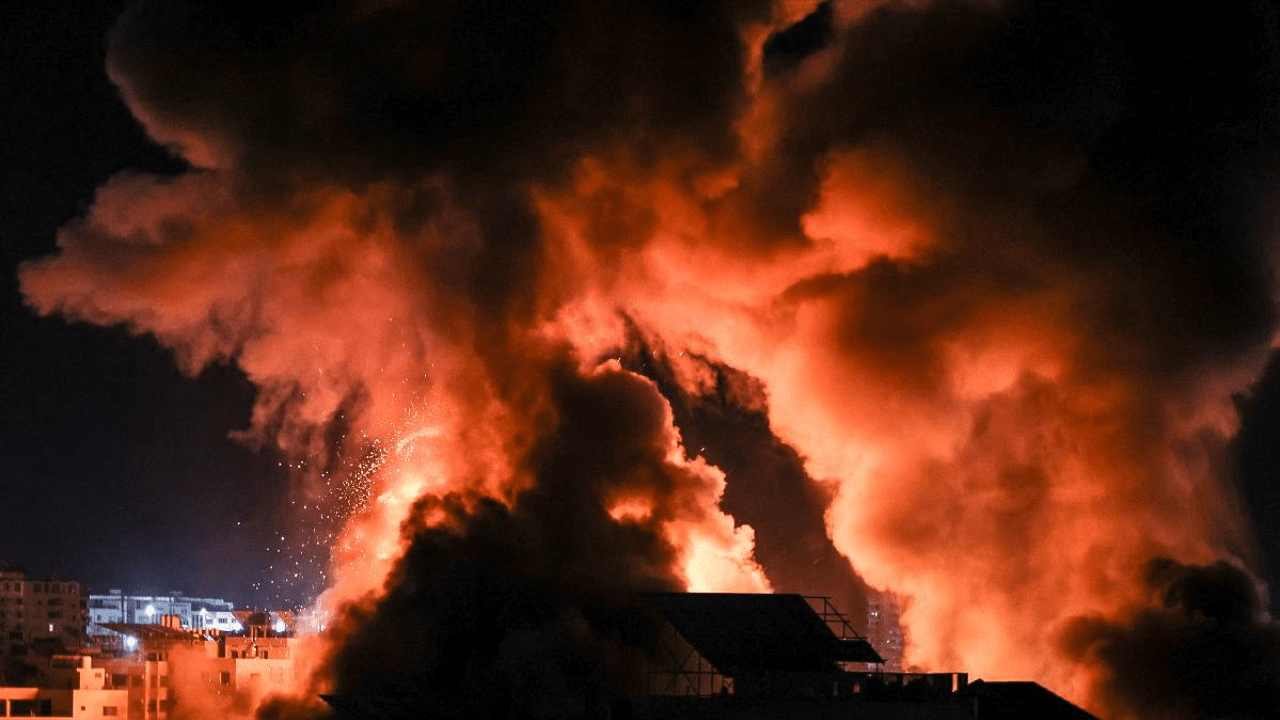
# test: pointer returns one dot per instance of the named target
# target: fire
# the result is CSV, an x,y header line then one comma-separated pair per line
x,y
969,331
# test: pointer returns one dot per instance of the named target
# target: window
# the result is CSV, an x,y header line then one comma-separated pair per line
x,y
224,678
110,711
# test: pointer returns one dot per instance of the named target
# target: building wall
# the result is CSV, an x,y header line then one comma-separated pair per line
x,y
74,689
88,703
146,683
38,617
193,613
156,676
884,629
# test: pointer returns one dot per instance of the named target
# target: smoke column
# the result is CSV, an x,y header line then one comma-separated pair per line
x,y
993,270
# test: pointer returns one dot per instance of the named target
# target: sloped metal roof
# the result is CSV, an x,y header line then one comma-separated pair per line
x,y
1014,700
741,633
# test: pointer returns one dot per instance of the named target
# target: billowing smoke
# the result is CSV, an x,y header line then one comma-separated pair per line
x,y
529,606
991,271
1202,648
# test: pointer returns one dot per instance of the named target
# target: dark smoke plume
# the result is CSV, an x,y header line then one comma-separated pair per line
x,y
532,609
727,422
1204,649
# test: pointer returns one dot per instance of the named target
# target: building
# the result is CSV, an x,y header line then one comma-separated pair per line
x,y
74,688
39,618
884,628
161,664
720,656
730,655
193,613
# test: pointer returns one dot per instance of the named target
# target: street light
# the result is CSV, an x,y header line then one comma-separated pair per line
x,y
151,613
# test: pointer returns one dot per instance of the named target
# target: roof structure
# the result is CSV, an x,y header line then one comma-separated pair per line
x,y
742,633
149,632
1014,700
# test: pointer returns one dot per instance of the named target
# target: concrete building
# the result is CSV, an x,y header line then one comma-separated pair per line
x,y
74,688
193,613
163,664
39,618
884,628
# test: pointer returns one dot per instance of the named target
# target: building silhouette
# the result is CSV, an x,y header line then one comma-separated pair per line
x,y
736,656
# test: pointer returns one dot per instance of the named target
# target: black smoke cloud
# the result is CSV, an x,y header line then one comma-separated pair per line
x,y
1204,648
363,91
1125,147
531,608
727,423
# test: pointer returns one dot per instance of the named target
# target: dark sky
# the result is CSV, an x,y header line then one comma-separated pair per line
x,y
117,470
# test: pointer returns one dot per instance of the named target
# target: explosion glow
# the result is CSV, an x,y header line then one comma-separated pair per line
x,y
472,258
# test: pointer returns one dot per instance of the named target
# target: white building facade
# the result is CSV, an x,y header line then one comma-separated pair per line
x,y
192,613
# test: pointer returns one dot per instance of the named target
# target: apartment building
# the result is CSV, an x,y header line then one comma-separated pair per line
x,y
38,618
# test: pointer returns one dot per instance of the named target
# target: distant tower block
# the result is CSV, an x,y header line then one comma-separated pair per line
x,y
884,628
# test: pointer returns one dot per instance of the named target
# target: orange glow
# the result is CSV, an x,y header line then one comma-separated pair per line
x,y
631,510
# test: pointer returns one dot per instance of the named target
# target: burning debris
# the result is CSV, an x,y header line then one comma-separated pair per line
x,y
991,271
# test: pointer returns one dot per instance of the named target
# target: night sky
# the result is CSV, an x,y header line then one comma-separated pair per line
x,y
117,470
